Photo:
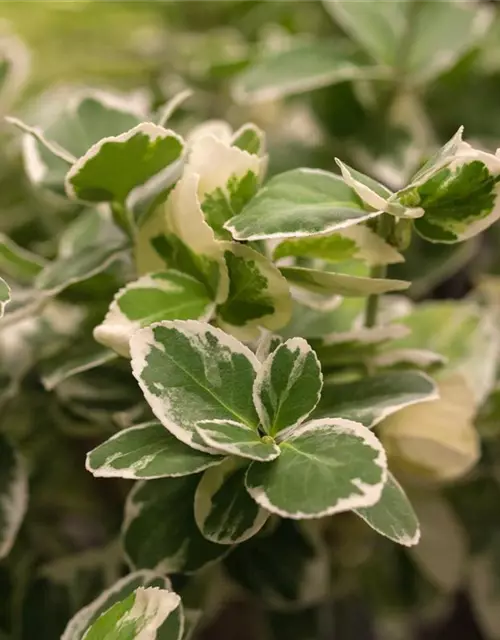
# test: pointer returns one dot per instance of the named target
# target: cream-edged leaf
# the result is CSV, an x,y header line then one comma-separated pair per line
x,y
376,397
62,367
18,263
288,386
325,467
259,296
236,439
223,510
4,295
343,284
160,531
393,515
142,616
190,371
298,203
164,295
120,590
147,451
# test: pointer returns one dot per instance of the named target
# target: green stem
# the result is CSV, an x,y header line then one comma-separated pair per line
x,y
385,224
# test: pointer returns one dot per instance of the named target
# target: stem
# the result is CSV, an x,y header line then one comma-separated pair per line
x,y
384,227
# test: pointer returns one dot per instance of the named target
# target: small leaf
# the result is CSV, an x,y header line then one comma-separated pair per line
x,y
354,243
325,467
223,510
374,398
267,344
190,371
165,295
160,531
114,166
393,516
370,191
236,439
302,68
326,282
4,296
250,138
146,451
142,614
77,626
298,203
258,295
18,263
13,495
62,367
288,386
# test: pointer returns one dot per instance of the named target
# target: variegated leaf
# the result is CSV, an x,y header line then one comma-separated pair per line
x,y
4,295
13,494
236,439
190,371
147,451
223,510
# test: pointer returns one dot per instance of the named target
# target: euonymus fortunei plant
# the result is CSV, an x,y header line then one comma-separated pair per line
x,y
237,344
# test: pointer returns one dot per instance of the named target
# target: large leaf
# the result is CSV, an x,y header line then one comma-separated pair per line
x,y
258,296
77,626
325,467
223,510
342,284
160,531
116,165
296,576
146,451
303,67
4,295
393,516
143,613
165,295
422,39
354,243
75,123
298,203
13,495
190,371
287,386
237,439
374,398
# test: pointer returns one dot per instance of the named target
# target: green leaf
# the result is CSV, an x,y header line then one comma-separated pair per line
x,y
160,531
146,451
190,371
236,439
326,466
62,367
116,165
327,282
288,386
458,202
250,138
119,591
422,40
13,495
354,243
303,67
223,510
179,235
374,398
75,123
440,159
393,516
143,613
258,295
284,568
165,295
298,203
88,247
267,343
4,295
18,263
